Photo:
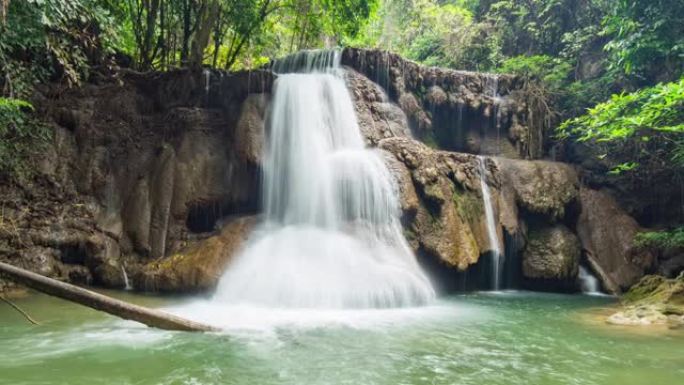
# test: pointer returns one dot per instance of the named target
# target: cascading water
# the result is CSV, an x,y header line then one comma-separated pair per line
x,y
497,256
127,283
491,89
331,237
588,283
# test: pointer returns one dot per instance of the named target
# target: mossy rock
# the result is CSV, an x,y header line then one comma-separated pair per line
x,y
197,267
469,205
656,289
653,300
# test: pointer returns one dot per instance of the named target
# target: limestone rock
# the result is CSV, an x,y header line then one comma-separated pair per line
x,y
249,133
377,117
653,300
103,258
450,109
607,236
133,160
552,253
443,212
199,266
541,187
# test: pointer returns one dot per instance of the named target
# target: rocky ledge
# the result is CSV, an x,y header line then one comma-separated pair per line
x,y
655,300
147,173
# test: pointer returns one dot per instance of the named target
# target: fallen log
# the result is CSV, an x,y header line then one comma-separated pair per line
x,y
150,317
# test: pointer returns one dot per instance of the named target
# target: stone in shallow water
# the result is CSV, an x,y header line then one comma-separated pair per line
x,y
655,300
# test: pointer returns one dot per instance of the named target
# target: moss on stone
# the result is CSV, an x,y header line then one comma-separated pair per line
x,y
655,289
653,300
469,205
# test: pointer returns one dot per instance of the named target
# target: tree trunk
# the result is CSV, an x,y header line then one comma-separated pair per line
x,y
206,20
185,45
150,317
146,50
4,9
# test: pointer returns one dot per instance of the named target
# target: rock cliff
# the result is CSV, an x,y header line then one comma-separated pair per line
x,y
159,174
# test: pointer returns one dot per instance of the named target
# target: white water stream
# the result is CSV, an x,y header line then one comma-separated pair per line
x,y
331,236
588,283
495,248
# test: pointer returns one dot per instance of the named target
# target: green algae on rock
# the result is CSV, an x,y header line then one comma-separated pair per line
x,y
655,300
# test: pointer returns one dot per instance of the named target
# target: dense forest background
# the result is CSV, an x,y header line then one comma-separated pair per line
x,y
608,72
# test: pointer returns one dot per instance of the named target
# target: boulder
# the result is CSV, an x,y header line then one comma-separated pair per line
x,y
607,236
552,253
198,266
541,187
654,300
442,202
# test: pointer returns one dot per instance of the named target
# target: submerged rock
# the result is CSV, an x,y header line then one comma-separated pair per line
x,y
198,266
653,300
607,236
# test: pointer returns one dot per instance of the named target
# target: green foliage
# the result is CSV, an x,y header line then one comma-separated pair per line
x,y
440,33
654,114
647,38
659,108
662,240
554,72
20,136
51,38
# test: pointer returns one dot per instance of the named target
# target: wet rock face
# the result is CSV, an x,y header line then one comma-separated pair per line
x,y
443,213
607,235
139,167
454,110
199,265
552,254
147,172
541,187
377,116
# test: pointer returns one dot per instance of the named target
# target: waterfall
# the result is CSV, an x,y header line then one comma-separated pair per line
x,y
497,256
491,89
331,236
207,80
588,283
127,283
491,85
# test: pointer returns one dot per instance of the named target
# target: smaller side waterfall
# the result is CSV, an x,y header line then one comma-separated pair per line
x,y
491,85
207,80
127,283
588,283
497,256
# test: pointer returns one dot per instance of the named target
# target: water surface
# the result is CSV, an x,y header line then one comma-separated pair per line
x,y
505,338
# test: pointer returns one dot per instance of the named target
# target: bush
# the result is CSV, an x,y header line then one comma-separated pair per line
x,y
21,135
661,239
633,121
